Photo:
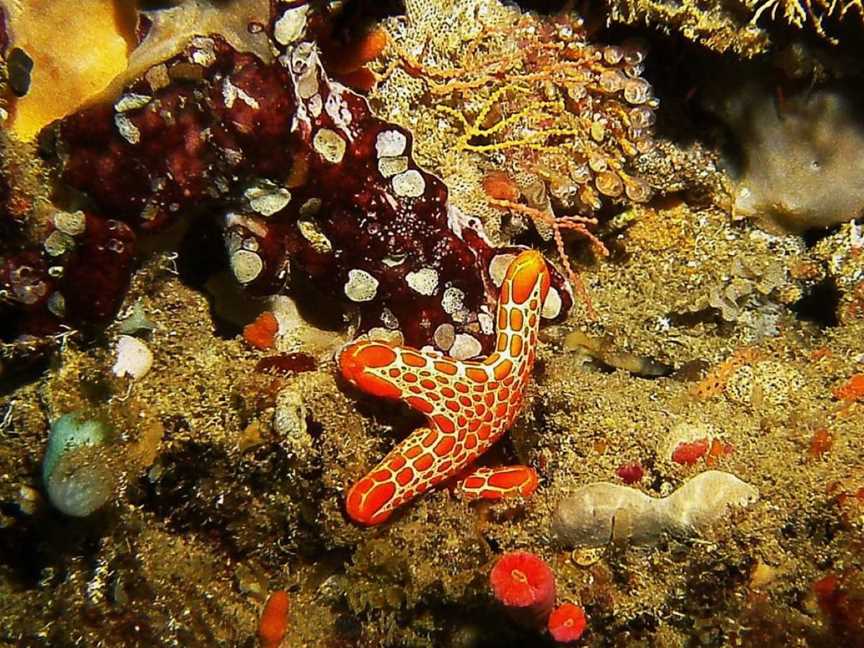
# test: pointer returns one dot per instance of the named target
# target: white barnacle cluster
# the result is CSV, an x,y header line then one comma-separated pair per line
x,y
245,262
337,109
127,129
67,226
291,25
444,336
231,93
390,147
311,231
131,101
302,62
203,51
409,184
453,303
310,228
330,145
128,102
266,198
361,286
246,265
602,512
465,346
423,281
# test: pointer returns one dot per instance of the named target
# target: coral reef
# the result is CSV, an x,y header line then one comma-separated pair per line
x,y
553,121
208,505
269,144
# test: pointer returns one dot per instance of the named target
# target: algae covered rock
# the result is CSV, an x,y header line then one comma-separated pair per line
x,y
599,513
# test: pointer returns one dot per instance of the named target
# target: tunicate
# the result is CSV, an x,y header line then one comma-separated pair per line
x,y
602,512
76,477
637,91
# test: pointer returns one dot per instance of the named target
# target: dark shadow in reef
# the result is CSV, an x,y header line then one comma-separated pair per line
x,y
23,376
37,545
819,304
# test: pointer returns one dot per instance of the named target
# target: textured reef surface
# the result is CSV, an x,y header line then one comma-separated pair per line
x,y
453,323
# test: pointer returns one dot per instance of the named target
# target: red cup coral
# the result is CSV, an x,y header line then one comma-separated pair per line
x,y
567,623
525,585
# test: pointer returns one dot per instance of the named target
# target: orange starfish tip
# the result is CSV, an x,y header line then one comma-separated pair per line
x,y
360,356
365,500
524,272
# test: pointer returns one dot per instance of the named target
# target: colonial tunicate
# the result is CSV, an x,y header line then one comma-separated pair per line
x,y
267,199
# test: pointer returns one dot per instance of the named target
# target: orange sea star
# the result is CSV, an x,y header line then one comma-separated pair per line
x,y
469,404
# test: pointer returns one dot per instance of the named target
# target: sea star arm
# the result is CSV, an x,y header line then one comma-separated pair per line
x,y
469,405
497,483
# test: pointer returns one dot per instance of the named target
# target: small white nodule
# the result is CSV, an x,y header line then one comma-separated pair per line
x,y
134,358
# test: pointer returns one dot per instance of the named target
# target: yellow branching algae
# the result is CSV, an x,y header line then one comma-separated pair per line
x,y
75,53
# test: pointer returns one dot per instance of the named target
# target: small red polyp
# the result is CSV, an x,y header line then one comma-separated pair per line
x,y
525,585
688,453
567,623
631,473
